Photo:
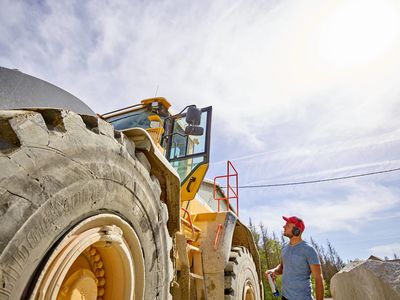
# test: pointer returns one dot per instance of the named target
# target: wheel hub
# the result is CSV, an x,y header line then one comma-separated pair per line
x,y
82,284
248,291
99,259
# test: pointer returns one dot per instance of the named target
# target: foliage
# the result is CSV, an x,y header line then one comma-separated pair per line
x,y
331,262
270,248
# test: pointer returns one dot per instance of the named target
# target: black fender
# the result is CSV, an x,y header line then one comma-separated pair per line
x,y
19,90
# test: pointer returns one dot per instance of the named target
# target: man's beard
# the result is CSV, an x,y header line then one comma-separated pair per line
x,y
288,235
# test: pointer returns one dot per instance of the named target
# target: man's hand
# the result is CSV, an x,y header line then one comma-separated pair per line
x,y
275,271
272,272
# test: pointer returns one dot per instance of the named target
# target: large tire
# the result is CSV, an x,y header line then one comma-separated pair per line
x,y
241,279
59,169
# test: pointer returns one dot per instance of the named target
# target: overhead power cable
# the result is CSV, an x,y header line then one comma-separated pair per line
x,y
317,180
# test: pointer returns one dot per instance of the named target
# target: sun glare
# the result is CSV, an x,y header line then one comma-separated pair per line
x,y
359,32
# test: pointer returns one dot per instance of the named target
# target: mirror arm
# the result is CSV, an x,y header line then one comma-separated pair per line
x,y
182,135
186,108
178,114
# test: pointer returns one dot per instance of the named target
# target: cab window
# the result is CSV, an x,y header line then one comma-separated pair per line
x,y
186,152
137,118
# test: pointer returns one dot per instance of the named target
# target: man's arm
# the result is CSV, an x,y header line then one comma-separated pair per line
x,y
279,269
275,271
319,281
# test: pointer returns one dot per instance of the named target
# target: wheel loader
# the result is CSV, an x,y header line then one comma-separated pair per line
x,y
115,206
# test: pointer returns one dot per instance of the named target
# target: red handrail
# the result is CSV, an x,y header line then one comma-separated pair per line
x,y
190,221
231,192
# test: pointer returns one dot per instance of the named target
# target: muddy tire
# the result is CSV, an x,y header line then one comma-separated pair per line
x,y
59,169
241,279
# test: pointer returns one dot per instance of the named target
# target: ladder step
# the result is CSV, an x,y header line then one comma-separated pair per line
x,y
195,276
187,223
193,248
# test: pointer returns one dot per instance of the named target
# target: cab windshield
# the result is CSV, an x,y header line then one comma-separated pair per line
x,y
137,118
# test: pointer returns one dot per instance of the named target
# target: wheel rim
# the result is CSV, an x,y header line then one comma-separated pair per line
x,y
100,258
248,291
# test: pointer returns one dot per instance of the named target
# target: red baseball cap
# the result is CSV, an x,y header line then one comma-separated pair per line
x,y
296,221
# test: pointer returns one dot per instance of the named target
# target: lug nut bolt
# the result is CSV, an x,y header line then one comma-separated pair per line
x,y
101,282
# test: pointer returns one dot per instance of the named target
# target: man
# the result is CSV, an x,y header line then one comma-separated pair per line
x,y
298,261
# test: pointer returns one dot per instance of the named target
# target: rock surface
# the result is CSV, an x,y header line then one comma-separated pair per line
x,y
367,280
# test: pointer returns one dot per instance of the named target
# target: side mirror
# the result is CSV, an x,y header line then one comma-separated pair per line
x,y
193,115
194,130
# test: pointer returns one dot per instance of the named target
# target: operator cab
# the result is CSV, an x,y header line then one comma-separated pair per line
x,y
183,138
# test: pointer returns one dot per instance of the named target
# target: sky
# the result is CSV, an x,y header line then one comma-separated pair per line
x,y
301,90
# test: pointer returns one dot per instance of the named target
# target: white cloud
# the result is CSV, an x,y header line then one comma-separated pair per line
x,y
345,43
322,212
319,161
260,65
387,250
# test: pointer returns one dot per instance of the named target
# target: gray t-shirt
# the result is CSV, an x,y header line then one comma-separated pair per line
x,y
296,283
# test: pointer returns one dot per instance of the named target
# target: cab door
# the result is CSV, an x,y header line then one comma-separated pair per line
x,y
189,154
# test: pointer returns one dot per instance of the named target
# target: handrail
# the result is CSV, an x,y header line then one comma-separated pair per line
x,y
217,236
192,227
231,192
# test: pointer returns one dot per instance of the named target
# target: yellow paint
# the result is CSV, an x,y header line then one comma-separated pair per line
x,y
155,118
161,100
156,134
198,174
80,285
101,258
82,280
197,206
209,217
